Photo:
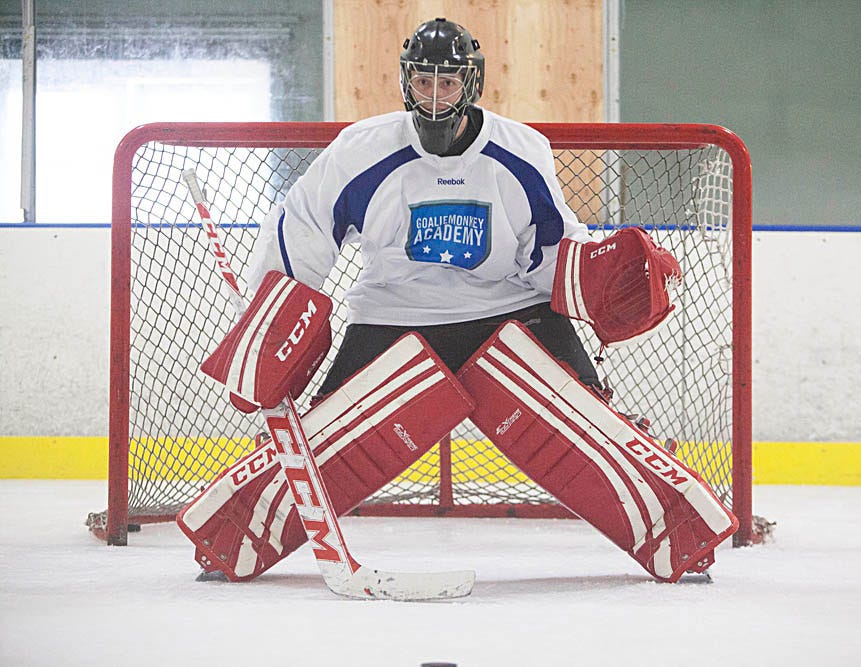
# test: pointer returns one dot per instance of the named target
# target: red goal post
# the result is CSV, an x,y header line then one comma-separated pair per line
x,y
171,431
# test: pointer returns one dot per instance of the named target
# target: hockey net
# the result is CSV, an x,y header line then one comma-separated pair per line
x,y
172,429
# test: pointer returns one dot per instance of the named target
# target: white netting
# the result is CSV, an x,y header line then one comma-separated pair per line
x,y
183,431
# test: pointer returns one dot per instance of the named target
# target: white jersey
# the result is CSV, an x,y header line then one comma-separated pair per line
x,y
442,239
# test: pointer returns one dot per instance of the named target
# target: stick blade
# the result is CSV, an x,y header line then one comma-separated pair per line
x,y
370,584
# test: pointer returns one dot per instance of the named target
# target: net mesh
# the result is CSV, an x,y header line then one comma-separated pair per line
x,y
183,431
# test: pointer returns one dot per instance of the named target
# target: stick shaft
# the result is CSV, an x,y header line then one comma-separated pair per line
x,y
222,262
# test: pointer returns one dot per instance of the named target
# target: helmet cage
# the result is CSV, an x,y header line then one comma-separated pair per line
x,y
428,89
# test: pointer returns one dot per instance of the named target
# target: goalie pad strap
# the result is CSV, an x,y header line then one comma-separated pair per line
x,y
363,435
594,461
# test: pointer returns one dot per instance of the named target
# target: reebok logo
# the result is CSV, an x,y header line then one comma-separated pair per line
x,y
450,181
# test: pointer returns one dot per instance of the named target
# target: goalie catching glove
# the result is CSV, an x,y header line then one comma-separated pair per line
x,y
276,346
621,286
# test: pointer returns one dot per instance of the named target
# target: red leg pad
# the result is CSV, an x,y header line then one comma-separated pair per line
x,y
241,520
592,459
363,435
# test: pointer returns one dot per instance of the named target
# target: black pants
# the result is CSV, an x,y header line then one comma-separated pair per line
x,y
456,343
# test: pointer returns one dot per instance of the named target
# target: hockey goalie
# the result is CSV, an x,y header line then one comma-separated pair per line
x,y
556,429
473,265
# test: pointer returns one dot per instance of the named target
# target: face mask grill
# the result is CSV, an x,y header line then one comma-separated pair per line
x,y
438,92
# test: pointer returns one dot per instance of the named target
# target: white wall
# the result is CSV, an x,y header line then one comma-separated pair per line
x,y
54,296
54,364
806,343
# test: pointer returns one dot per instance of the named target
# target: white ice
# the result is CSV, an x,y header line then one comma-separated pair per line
x,y
547,593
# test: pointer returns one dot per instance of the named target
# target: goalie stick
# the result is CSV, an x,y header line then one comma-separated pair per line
x,y
222,262
341,572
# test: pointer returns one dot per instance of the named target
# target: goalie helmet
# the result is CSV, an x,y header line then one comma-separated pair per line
x,y
441,74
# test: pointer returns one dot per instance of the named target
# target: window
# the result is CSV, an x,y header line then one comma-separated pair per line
x,y
99,76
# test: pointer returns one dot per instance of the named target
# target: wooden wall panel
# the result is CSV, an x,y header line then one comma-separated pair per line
x,y
543,57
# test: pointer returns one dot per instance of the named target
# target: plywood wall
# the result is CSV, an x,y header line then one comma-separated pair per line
x,y
543,57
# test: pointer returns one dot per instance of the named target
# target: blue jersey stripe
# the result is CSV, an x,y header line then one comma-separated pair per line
x,y
287,268
545,216
352,204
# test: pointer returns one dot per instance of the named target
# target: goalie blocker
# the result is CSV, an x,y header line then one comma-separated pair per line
x,y
276,346
592,459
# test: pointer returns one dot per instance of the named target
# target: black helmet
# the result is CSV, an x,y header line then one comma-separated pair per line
x,y
440,52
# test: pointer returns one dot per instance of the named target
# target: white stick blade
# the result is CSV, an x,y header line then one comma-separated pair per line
x,y
370,584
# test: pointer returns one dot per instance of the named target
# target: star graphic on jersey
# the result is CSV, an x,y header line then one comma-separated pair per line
x,y
467,255
426,250
445,256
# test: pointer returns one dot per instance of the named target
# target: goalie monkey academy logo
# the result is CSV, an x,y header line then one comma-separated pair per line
x,y
454,232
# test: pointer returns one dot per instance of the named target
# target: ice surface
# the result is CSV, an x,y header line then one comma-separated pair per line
x,y
547,593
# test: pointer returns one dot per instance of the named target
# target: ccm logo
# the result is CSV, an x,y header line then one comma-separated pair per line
x,y
257,462
657,463
297,333
305,485
602,250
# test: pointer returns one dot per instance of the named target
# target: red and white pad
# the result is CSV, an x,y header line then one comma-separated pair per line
x,y
593,460
276,346
621,286
363,435
239,521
